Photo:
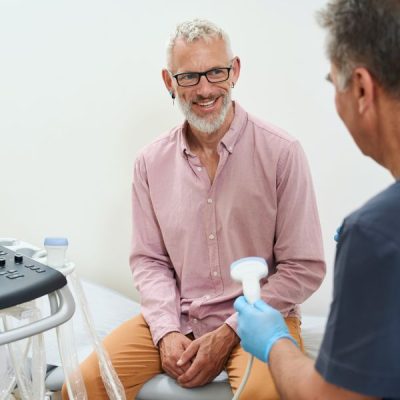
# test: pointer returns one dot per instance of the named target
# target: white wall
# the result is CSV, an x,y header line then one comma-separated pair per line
x,y
81,93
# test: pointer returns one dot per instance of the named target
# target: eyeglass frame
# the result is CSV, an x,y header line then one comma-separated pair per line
x,y
200,74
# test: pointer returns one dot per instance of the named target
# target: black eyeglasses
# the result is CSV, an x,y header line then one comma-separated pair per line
x,y
214,75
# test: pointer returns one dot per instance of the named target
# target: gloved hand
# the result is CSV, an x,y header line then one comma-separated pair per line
x,y
259,327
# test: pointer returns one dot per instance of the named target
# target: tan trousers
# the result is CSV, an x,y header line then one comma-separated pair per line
x,y
136,360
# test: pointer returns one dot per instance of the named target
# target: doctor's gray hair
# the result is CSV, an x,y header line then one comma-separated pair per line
x,y
364,33
196,29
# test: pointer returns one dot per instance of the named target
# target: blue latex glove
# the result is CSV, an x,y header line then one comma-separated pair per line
x,y
259,327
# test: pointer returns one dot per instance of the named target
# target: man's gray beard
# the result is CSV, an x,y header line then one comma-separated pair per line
x,y
202,124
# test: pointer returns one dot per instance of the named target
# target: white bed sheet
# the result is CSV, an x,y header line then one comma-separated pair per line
x,y
312,329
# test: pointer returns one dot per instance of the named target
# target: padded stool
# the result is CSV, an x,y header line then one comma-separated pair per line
x,y
162,387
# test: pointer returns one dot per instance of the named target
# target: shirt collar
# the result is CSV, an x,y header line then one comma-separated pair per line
x,y
184,144
231,136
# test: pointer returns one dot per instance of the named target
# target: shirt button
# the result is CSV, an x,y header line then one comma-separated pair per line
x,y
230,148
194,320
209,201
199,169
206,297
215,273
211,237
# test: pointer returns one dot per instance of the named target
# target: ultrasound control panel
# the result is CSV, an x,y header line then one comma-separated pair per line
x,y
23,279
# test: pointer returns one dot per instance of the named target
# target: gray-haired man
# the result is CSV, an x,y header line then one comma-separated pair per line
x,y
221,186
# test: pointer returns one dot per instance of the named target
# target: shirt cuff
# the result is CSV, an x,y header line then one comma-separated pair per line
x,y
159,330
232,322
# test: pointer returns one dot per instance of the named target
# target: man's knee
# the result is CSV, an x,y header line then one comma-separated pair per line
x,y
92,380
260,385
267,392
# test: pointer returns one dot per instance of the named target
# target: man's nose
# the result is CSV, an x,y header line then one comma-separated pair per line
x,y
204,88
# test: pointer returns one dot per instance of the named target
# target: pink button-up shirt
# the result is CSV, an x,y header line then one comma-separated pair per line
x,y
187,231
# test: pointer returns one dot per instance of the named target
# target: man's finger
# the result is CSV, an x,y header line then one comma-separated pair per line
x,y
173,373
196,369
198,380
184,368
188,354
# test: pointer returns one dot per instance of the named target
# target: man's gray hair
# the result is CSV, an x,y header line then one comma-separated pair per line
x,y
364,33
196,29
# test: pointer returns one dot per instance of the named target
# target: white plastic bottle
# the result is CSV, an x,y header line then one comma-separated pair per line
x,y
56,248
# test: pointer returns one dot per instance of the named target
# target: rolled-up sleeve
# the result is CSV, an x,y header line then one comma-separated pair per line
x,y
151,266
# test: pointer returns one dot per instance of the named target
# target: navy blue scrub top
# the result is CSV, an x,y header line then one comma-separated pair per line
x,y
361,346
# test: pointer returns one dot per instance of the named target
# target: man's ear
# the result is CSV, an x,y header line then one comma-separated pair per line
x,y
364,88
235,70
167,78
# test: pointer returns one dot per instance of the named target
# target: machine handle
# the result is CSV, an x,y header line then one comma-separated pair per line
x,y
62,310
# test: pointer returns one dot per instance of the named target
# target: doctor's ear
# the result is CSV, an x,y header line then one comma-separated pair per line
x,y
364,89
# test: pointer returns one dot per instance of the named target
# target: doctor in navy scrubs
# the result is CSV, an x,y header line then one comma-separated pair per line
x,y
360,354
